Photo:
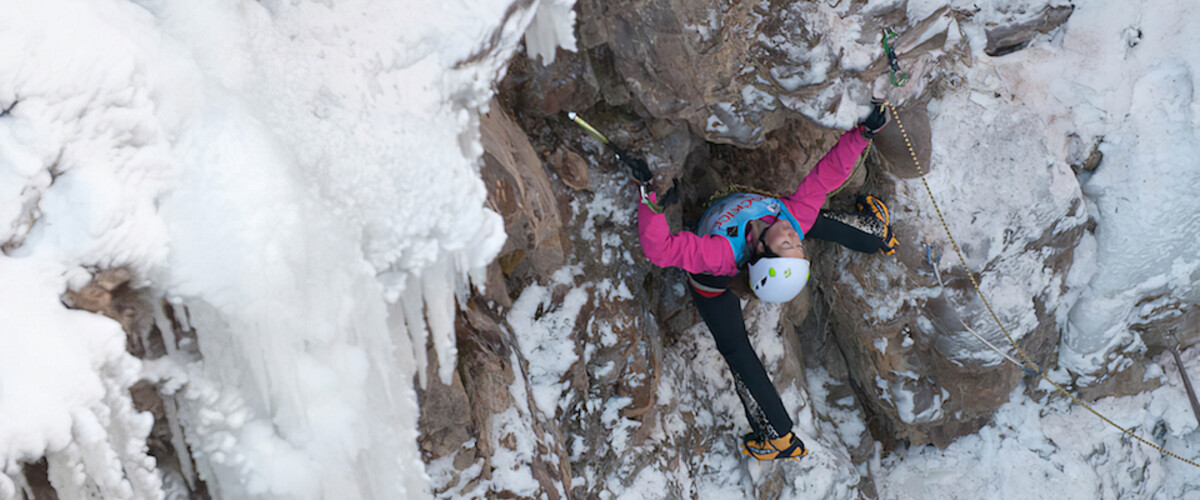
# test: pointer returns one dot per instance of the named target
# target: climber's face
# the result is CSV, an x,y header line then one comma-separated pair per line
x,y
783,240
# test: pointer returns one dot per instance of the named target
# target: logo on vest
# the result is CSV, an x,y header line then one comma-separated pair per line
x,y
744,204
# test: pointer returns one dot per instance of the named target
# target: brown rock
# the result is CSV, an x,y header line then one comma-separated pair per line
x,y
1018,30
894,141
519,189
1084,158
445,419
96,296
110,294
568,84
456,414
1167,324
571,168
913,352
677,73
37,478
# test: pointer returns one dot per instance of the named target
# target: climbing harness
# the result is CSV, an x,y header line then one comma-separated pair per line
x,y
637,166
1029,366
898,77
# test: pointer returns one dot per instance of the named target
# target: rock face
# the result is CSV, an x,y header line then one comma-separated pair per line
x,y
519,189
712,95
729,72
1018,28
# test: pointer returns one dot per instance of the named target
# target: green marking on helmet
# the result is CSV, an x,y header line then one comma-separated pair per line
x,y
787,273
771,272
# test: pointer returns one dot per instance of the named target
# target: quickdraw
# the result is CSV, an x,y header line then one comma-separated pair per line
x,y
898,77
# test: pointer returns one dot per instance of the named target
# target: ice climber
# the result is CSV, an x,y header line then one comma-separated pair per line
x,y
763,235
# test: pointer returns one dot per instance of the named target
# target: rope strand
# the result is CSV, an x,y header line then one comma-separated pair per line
x,y
1029,362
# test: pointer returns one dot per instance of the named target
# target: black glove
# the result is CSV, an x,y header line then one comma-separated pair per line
x,y
874,121
671,197
638,168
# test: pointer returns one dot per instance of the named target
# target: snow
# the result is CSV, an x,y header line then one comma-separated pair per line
x,y
1139,259
1046,448
515,445
544,325
845,420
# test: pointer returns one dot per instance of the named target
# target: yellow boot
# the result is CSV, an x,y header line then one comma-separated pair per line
x,y
869,203
875,206
785,447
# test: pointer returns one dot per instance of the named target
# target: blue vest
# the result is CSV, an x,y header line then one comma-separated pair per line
x,y
727,217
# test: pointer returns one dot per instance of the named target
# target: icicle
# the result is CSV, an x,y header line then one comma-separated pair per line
x,y
468,277
177,441
414,316
552,27
165,328
96,456
181,315
127,430
439,310
107,457
66,473
9,482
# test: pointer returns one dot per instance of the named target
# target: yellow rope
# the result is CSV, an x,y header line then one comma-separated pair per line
x,y
996,317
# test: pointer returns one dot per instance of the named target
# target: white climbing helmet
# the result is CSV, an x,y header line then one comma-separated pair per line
x,y
778,279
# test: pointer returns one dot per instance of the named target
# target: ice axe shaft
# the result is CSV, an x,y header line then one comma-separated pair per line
x,y
637,166
588,127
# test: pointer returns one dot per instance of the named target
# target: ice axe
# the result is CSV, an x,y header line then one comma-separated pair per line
x,y
637,166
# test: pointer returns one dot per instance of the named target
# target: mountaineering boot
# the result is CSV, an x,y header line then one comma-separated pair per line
x,y
875,207
782,448
890,242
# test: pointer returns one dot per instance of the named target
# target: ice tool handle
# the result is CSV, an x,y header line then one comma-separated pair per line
x,y
898,77
637,166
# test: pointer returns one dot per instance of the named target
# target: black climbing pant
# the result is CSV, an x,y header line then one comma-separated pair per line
x,y
723,315
860,232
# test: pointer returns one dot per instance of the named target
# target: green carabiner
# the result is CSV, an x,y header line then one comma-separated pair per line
x,y
898,77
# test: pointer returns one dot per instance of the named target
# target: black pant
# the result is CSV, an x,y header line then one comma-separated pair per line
x,y
723,315
861,231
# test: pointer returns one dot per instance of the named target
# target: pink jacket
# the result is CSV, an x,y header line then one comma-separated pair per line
x,y
711,253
